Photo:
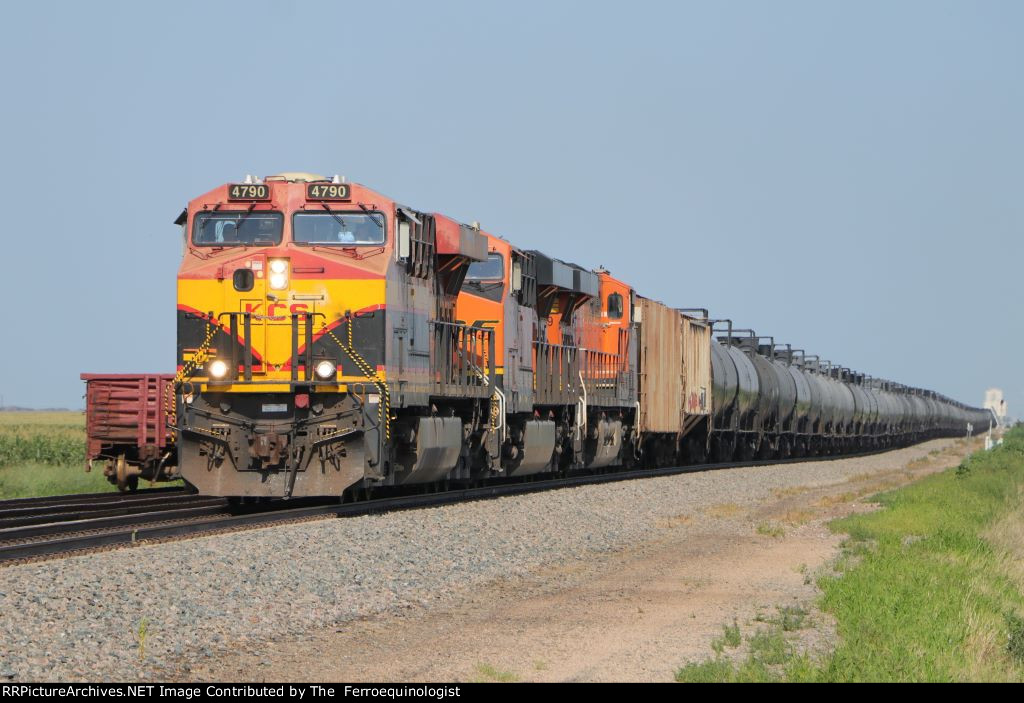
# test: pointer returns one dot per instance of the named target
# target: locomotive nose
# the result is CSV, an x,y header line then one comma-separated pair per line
x,y
247,446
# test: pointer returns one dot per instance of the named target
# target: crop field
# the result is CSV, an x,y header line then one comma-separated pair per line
x,y
43,453
55,438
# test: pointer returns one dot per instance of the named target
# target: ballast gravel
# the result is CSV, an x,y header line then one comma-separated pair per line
x,y
153,611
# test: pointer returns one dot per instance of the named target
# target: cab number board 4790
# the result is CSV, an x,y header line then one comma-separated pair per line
x,y
248,191
328,191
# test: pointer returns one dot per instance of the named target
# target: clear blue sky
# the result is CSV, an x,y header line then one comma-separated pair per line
x,y
844,176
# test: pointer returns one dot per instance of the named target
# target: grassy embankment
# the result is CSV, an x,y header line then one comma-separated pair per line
x,y
929,588
43,453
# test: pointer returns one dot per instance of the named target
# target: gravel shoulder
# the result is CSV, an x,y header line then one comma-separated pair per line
x,y
611,582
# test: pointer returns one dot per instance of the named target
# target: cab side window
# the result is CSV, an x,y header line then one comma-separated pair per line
x,y
615,306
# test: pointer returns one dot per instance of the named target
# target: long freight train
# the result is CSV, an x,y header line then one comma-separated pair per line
x,y
330,338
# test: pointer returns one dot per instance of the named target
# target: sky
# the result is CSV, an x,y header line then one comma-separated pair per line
x,y
844,176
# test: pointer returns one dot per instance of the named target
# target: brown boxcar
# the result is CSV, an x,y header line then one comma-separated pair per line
x,y
675,369
127,417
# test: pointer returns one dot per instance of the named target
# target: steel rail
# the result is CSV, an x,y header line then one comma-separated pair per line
x,y
13,536
164,491
88,511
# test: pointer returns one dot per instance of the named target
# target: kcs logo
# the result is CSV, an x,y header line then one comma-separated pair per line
x,y
274,310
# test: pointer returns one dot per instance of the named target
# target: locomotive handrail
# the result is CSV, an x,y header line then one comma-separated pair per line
x,y
308,360
246,344
462,359
559,371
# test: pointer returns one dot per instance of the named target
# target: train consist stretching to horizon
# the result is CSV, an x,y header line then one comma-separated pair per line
x,y
330,338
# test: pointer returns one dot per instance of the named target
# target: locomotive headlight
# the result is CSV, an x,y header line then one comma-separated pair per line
x,y
218,369
278,274
325,369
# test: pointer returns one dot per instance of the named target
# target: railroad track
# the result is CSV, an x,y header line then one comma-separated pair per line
x,y
75,497
36,511
201,516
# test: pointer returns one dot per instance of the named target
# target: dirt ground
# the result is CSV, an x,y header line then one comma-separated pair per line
x,y
633,615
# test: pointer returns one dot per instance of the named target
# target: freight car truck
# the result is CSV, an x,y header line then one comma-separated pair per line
x,y
127,418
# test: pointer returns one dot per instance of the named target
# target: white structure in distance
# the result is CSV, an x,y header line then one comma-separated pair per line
x,y
994,401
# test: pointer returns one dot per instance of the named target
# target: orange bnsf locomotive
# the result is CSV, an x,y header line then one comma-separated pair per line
x,y
332,339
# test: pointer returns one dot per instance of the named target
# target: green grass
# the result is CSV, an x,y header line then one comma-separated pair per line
x,y
29,480
487,673
927,589
43,453
790,617
730,638
771,530
771,657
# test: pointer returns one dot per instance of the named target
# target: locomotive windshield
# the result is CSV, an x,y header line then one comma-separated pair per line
x,y
338,228
237,228
489,270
